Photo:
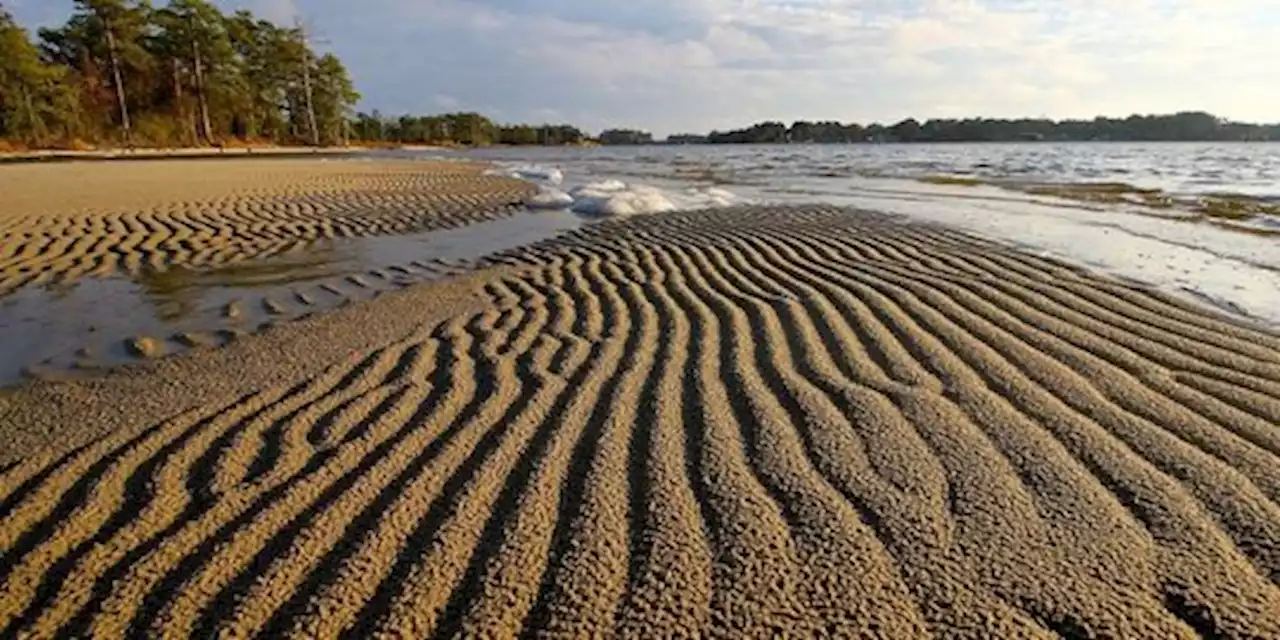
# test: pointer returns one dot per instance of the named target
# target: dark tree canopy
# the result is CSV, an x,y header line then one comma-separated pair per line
x,y
625,137
470,129
1185,126
129,71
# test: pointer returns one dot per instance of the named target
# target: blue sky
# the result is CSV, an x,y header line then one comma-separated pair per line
x,y
695,65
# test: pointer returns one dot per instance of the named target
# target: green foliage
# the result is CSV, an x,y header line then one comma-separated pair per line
x,y
180,74
625,137
35,101
333,95
763,133
467,129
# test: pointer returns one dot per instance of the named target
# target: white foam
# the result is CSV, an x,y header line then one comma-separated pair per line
x,y
1234,270
550,199
1218,262
616,198
609,198
546,176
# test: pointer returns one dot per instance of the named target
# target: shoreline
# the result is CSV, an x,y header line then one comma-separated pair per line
x,y
712,422
58,155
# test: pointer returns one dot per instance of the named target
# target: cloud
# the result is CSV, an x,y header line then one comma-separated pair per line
x,y
673,65
278,11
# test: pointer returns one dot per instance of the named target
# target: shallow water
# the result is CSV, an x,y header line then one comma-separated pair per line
x,y
1180,168
78,327
1233,264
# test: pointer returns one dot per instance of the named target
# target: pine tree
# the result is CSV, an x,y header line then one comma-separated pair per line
x,y
193,35
34,99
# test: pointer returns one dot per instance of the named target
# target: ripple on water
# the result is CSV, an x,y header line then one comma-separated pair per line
x,y
76,328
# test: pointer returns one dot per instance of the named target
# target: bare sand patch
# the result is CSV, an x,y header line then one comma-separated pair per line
x,y
735,423
62,221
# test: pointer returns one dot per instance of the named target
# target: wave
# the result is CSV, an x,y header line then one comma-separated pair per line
x,y
614,198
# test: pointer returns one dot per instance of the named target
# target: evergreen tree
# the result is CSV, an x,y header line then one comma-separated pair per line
x,y
193,35
334,98
34,99
103,41
183,73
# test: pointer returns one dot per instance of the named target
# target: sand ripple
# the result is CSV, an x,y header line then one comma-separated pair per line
x,y
71,220
731,423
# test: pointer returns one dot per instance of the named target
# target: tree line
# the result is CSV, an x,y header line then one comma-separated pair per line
x,y
469,129
183,74
1184,126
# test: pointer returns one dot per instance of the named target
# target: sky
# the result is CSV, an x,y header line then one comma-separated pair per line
x,y
695,65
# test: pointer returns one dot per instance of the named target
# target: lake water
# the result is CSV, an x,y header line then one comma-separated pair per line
x,y
993,190
1196,219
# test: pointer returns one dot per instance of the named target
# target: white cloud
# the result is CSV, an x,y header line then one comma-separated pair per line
x,y
699,64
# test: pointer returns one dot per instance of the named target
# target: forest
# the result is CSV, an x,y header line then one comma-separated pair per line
x,y
469,129
1185,126
127,73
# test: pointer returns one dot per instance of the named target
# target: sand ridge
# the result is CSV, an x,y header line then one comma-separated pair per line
x,y
130,216
730,423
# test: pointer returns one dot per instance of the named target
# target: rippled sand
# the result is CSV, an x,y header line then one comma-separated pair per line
x,y
62,221
735,423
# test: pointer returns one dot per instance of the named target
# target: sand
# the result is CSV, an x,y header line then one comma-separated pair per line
x,y
740,423
59,222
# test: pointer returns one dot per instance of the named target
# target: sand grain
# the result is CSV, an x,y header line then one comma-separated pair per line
x,y
740,422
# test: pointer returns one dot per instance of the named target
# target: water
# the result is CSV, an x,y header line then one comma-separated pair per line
x,y
1184,168
61,330
1233,264
1230,262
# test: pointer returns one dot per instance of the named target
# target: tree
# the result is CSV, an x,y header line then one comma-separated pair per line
x,y
308,89
334,99
181,73
625,137
121,23
103,42
906,131
192,33
33,96
260,48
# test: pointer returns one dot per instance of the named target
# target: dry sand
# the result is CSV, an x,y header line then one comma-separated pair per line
x,y
747,422
62,221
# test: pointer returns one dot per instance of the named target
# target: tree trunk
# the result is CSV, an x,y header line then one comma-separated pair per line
x,y
180,106
306,87
32,119
201,95
118,78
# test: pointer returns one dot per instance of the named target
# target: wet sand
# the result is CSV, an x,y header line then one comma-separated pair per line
x,y
737,423
56,331
64,221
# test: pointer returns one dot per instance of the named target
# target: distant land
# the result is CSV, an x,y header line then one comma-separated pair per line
x,y
476,129
132,74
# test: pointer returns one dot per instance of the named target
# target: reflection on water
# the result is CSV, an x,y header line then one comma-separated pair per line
x,y
82,325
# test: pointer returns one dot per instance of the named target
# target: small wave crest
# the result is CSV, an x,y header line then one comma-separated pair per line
x,y
544,176
616,198
610,198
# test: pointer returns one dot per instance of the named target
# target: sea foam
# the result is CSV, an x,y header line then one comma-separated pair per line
x,y
610,198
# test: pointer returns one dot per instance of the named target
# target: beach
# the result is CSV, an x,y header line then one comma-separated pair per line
x,y
747,421
130,216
